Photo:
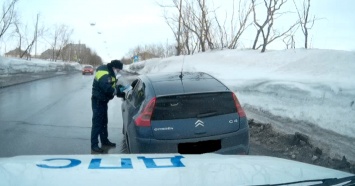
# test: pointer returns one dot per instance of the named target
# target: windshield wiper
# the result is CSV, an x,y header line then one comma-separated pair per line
x,y
346,181
335,181
206,114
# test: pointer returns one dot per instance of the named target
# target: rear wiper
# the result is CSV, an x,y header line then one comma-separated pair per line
x,y
206,114
346,181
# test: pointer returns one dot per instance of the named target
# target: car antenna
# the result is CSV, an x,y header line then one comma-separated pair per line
x,y
182,68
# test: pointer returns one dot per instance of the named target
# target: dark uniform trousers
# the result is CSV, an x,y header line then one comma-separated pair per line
x,y
99,121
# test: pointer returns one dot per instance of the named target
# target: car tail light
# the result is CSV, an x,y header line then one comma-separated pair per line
x,y
143,120
240,110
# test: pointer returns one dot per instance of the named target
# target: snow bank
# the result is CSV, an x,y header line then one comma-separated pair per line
x,y
317,86
14,66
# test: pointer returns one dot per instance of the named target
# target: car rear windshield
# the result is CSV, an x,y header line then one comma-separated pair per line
x,y
193,106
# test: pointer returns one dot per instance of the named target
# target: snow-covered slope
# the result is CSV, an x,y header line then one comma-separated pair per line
x,y
316,86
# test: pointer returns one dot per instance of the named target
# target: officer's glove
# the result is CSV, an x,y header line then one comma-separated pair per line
x,y
123,88
120,88
120,92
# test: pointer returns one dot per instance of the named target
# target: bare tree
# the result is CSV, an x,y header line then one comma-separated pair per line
x,y
266,29
85,55
189,41
206,23
60,38
19,35
94,59
30,42
171,20
64,40
289,41
229,37
304,21
25,40
243,16
200,24
170,50
179,46
53,43
223,36
151,51
8,15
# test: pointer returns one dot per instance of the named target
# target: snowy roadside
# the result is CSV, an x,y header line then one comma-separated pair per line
x,y
16,71
314,110
267,140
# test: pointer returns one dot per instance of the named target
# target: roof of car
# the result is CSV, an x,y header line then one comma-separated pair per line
x,y
190,82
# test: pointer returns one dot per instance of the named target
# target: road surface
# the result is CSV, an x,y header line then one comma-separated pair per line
x,y
52,116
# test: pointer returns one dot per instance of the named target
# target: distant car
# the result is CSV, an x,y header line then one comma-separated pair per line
x,y
187,113
88,69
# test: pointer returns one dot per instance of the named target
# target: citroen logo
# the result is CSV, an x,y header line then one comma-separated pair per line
x,y
199,123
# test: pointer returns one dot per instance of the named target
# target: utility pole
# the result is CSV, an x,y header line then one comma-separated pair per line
x,y
36,36
70,48
79,52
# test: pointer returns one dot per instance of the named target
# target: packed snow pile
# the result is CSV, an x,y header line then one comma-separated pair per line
x,y
15,66
316,86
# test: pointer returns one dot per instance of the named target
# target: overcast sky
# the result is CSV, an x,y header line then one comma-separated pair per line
x,y
126,24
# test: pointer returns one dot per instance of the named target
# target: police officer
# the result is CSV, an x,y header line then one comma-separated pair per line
x,y
103,90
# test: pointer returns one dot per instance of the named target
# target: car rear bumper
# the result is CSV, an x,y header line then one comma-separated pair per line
x,y
231,143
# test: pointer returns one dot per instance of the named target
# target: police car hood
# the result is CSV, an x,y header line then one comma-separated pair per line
x,y
157,169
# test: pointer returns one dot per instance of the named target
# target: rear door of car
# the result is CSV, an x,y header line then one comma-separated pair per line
x,y
194,115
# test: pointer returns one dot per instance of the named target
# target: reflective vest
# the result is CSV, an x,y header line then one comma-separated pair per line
x,y
104,83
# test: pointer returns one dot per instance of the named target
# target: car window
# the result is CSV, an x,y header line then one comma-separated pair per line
x,y
138,94
194,105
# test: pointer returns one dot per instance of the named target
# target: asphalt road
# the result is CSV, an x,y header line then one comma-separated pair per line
x,y
53,116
